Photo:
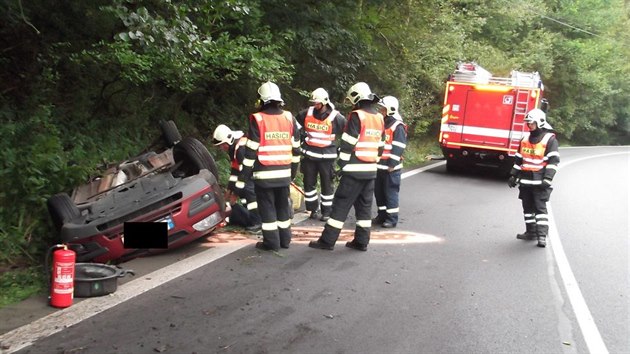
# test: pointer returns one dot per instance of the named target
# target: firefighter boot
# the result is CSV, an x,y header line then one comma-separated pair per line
x,y
379,219
529,234
542,239
326,210
321,245
357,246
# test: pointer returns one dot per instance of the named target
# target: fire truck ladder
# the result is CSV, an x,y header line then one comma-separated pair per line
x,y
521,107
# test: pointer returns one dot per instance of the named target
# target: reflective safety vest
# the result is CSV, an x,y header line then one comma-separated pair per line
x,y
319,133
276,131
369,139
235,165
389,138
534,154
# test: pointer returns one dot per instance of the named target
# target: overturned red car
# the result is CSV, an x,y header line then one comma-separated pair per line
x,y
177,185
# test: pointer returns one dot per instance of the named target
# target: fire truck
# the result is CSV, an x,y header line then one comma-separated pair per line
x,y
482,117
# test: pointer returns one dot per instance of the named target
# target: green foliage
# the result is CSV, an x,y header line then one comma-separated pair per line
x,y
417,151
587,80
34,166
184,45
20,284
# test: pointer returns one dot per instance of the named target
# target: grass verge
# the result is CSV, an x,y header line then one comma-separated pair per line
x,y
19,284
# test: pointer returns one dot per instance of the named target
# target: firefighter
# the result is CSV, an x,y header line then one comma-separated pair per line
x,y
360,148
535,166
232,142
388,175
272,157
321,124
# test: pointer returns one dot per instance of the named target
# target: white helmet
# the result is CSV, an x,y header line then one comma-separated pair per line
x,y
359,92
391,103
539,117
269,92
321,96
223,134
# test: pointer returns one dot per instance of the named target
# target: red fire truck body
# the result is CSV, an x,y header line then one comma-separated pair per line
x,y
482,117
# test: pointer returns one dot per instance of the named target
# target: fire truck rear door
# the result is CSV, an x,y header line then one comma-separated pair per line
x,y
488,118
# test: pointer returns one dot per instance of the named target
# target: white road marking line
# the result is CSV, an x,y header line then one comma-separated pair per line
x,y
27,335
591,334
422,169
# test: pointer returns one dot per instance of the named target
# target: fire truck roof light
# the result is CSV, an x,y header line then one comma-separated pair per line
x,y
493,88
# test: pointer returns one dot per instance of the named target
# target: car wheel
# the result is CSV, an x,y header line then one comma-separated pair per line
x,y
62,209
170,133
192,156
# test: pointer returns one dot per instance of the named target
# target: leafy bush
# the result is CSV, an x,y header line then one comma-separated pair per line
x,y
21,284
34,167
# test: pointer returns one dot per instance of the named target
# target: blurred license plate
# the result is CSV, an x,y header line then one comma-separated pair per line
x,y
168,220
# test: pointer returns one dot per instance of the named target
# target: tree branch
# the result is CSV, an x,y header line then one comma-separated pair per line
x,y
24,17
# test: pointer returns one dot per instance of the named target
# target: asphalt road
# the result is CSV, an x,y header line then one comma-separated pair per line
x,y
453,279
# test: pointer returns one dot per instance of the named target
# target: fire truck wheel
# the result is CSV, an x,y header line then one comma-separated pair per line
x,y
453,166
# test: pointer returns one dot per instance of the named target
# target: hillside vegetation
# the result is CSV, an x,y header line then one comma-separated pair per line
x,y
88,81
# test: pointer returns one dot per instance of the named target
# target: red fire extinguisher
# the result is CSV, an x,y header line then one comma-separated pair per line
x,y
62,278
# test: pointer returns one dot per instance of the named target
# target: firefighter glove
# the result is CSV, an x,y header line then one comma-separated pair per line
x,y
546,183
512,181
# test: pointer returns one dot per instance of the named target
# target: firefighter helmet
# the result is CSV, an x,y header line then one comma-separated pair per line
x,y
321,96
224,135
539,117
269,92
359,92
391,103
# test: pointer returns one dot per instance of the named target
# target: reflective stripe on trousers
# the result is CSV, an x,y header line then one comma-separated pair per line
x,y
351,192
386,192
275,213
535,207
312,169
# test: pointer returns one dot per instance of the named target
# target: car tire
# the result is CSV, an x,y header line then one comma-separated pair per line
x,y
170,133
192,156
62,209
